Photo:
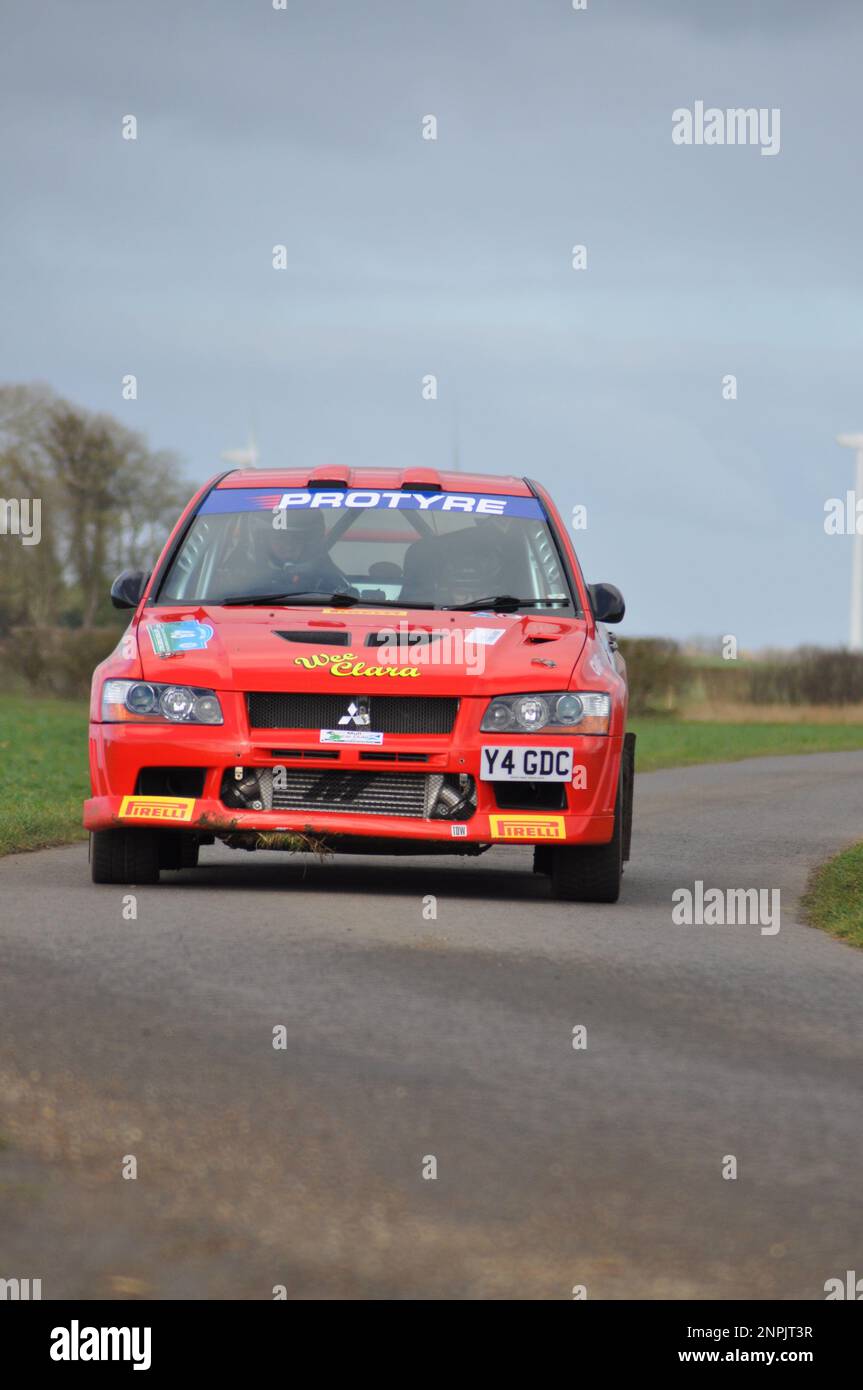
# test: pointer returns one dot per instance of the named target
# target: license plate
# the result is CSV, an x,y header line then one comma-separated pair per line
x,y
501,763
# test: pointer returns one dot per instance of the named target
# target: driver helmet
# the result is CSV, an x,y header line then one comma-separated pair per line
x,y
295,536
477,570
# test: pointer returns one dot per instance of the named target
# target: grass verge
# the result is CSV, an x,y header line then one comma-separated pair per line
x,y
681,743
43,751
833,899
43,748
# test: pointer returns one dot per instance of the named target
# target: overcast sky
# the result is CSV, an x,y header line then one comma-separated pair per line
x,y
453,257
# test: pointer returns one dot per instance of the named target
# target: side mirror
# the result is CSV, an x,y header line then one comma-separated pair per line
x,y
607,603
128,587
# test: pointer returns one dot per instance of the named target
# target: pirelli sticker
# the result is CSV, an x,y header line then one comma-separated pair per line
x,y
527,827
161,808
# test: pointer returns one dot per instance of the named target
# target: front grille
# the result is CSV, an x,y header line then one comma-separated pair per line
x,y
365,793
328,754
394,757
388,714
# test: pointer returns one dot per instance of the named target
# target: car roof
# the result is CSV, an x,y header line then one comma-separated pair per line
x,y
376,478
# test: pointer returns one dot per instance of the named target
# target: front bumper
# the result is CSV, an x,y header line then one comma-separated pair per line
x,y
120,753
505,827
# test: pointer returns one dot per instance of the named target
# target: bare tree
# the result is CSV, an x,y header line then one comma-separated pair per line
x,y
108,500
31,579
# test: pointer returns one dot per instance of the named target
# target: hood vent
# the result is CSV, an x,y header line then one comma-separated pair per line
x,y
536,631
318,636
413,637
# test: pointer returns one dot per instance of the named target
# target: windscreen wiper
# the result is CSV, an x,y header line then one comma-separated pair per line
x,y
503,603
312,595
310,598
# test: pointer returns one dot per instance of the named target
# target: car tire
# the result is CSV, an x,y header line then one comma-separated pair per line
x,y
178,850
542,859
189,852
124,856
591,873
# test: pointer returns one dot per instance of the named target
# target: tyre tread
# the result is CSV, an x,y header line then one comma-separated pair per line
x,y
124,856
592,873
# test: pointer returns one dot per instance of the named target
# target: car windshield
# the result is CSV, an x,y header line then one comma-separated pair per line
x,y
431,550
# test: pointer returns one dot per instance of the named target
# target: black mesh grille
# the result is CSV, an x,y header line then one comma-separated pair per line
x,y
388,714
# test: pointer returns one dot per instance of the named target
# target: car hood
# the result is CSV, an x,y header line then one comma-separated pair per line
x,y
280,648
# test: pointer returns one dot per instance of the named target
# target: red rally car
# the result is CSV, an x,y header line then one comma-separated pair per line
x,y
368,661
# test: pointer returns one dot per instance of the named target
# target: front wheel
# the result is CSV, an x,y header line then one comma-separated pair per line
x,y
124,856
591,873
178,850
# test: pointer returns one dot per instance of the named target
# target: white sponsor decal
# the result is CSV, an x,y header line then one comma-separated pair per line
x,y
484,636
350,736
438,501
457,831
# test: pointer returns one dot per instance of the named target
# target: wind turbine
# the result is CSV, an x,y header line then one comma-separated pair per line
x,y
456,436
247,457
855,441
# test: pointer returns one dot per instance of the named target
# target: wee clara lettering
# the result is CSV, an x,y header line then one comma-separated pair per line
x,y
347,664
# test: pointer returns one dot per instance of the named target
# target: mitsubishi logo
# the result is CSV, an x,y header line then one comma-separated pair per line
x,y
358,714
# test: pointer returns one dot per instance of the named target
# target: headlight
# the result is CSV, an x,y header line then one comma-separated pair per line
x,y
142,702
531,711
582,712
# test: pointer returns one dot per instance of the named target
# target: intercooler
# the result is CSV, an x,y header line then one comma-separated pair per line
x,y
362,793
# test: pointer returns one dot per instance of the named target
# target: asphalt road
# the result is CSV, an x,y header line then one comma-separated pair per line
x,y
408,1037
